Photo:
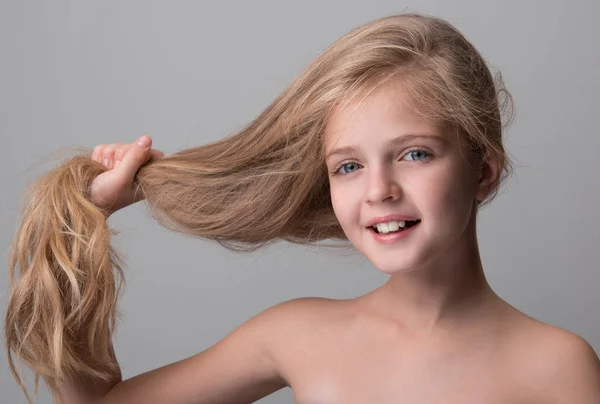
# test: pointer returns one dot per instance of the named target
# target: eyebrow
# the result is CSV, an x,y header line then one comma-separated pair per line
x,y
400,140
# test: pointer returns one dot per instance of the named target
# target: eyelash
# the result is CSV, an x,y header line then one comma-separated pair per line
x,y
336,171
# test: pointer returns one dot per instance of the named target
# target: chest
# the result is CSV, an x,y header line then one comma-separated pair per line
x,y
383,370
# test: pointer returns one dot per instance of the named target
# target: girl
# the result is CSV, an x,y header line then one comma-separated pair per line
x,y
390,140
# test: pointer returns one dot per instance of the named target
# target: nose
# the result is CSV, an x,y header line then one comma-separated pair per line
x,y
382,186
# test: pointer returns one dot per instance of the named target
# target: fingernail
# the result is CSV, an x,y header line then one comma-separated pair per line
x,y
117,164
144,141
105,163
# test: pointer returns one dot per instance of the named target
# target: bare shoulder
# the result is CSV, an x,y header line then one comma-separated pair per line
x,y
562,367
280,325
304,328
299,318
305,307
570,367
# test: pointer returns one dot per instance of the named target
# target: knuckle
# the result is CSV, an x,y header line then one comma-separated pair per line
x,y
108,151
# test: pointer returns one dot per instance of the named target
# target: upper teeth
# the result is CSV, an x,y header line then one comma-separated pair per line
x,y
389,226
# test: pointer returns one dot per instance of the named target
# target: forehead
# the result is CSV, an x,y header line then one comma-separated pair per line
x,y
385,113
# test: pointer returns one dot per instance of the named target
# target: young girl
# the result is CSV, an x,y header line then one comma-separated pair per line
x,y
391,140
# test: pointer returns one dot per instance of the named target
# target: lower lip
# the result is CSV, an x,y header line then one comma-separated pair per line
x,y
390,238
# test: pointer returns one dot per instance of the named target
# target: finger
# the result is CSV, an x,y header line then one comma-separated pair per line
x,y
121,151
136,156
108,156
97,154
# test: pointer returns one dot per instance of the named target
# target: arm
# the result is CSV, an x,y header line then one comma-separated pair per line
x,y
241,368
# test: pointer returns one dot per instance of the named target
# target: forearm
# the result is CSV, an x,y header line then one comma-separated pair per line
x,y
161,385
142,388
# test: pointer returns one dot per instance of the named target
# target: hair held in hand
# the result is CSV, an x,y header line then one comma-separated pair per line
x,y
267,182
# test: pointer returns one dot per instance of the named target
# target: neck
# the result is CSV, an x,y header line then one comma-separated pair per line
x,y
447,294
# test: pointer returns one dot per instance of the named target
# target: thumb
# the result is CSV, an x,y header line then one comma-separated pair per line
x,y
136,156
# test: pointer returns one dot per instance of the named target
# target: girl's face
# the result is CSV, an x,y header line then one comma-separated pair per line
x,y
382,160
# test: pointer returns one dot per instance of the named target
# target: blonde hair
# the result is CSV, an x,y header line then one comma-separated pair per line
x,y
266,183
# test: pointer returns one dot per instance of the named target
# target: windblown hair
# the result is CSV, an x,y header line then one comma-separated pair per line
x,y
267,182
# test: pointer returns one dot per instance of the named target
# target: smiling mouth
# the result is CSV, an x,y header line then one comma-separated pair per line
x,y
408,225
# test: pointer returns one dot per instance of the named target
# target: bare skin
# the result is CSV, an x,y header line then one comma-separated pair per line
x,y
342,351
436,335
349,354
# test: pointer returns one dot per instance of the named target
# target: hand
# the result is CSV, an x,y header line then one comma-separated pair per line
x,y
114,189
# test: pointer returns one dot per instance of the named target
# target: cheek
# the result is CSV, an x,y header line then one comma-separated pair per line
x,y
454,199
344,205
445,194
336,201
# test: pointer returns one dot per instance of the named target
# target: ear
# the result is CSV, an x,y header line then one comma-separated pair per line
x,y
488,172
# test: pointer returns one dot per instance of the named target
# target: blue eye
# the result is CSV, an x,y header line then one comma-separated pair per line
x,y
351,164
417,154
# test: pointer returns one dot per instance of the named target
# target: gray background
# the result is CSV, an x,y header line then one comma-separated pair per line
x,y
81,73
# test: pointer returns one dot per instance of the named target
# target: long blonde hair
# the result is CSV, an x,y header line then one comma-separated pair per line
x,y
266,183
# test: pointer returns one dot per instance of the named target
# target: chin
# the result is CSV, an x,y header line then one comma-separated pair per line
x,y
391,269
392,259
404,262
